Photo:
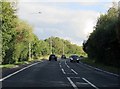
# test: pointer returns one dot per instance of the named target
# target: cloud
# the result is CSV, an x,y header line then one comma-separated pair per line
x,y
57,20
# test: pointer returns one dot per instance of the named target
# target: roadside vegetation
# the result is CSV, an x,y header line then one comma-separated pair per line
x,y
103,44
100,66
19,45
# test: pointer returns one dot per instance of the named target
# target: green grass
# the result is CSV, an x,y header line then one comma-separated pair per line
x,y
21,63
8,66
100,66
43,57
14,65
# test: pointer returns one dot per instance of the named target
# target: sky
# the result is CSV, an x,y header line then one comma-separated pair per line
x,y
72,20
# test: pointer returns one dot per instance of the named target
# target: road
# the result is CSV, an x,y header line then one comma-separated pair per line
x,y
60,74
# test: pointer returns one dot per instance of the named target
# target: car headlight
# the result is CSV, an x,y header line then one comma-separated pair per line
x,y
71,58
77,58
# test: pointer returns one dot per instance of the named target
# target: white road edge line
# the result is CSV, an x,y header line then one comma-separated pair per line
x,y
71,82
63,71
74,71
100,69
2,79
90,83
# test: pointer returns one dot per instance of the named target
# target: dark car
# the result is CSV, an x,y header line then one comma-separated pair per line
x,y
74,58
63,57
81,57
52,57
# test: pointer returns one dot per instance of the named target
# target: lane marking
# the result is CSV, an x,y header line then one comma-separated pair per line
x,y
74,71
74,77
71,82
59,63
60,66
80,83
90,83
70,73
2,79
63,71
100,70
71,69
67,64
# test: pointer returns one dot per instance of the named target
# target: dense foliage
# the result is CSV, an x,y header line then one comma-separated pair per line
x,y
19,43
103,43
61,46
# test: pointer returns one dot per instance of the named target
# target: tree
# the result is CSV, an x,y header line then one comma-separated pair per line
x,y
23,37
102,44
8,29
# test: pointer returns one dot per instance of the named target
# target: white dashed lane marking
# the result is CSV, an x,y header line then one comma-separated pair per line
x,y
71,82
67,64
74,71
90,83
63,71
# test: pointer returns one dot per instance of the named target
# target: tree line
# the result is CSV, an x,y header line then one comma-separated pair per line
x,y
103,44
18,42
61,46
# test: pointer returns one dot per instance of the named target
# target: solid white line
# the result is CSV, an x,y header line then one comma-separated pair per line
x,y
106,72
2,79
63,71
74,71
71,82
100,70
90,83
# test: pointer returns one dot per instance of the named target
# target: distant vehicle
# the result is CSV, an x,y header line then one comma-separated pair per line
x,y
63,57
81,57
74,58
52,57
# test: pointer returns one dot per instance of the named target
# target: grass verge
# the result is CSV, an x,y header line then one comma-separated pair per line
x,y
23,62
100,66
14,65
8,66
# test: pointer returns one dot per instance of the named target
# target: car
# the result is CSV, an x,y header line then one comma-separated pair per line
x,y
52,57
74,58
63,57
81,57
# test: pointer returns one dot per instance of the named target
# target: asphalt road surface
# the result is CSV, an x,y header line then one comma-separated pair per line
x,y
60,74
